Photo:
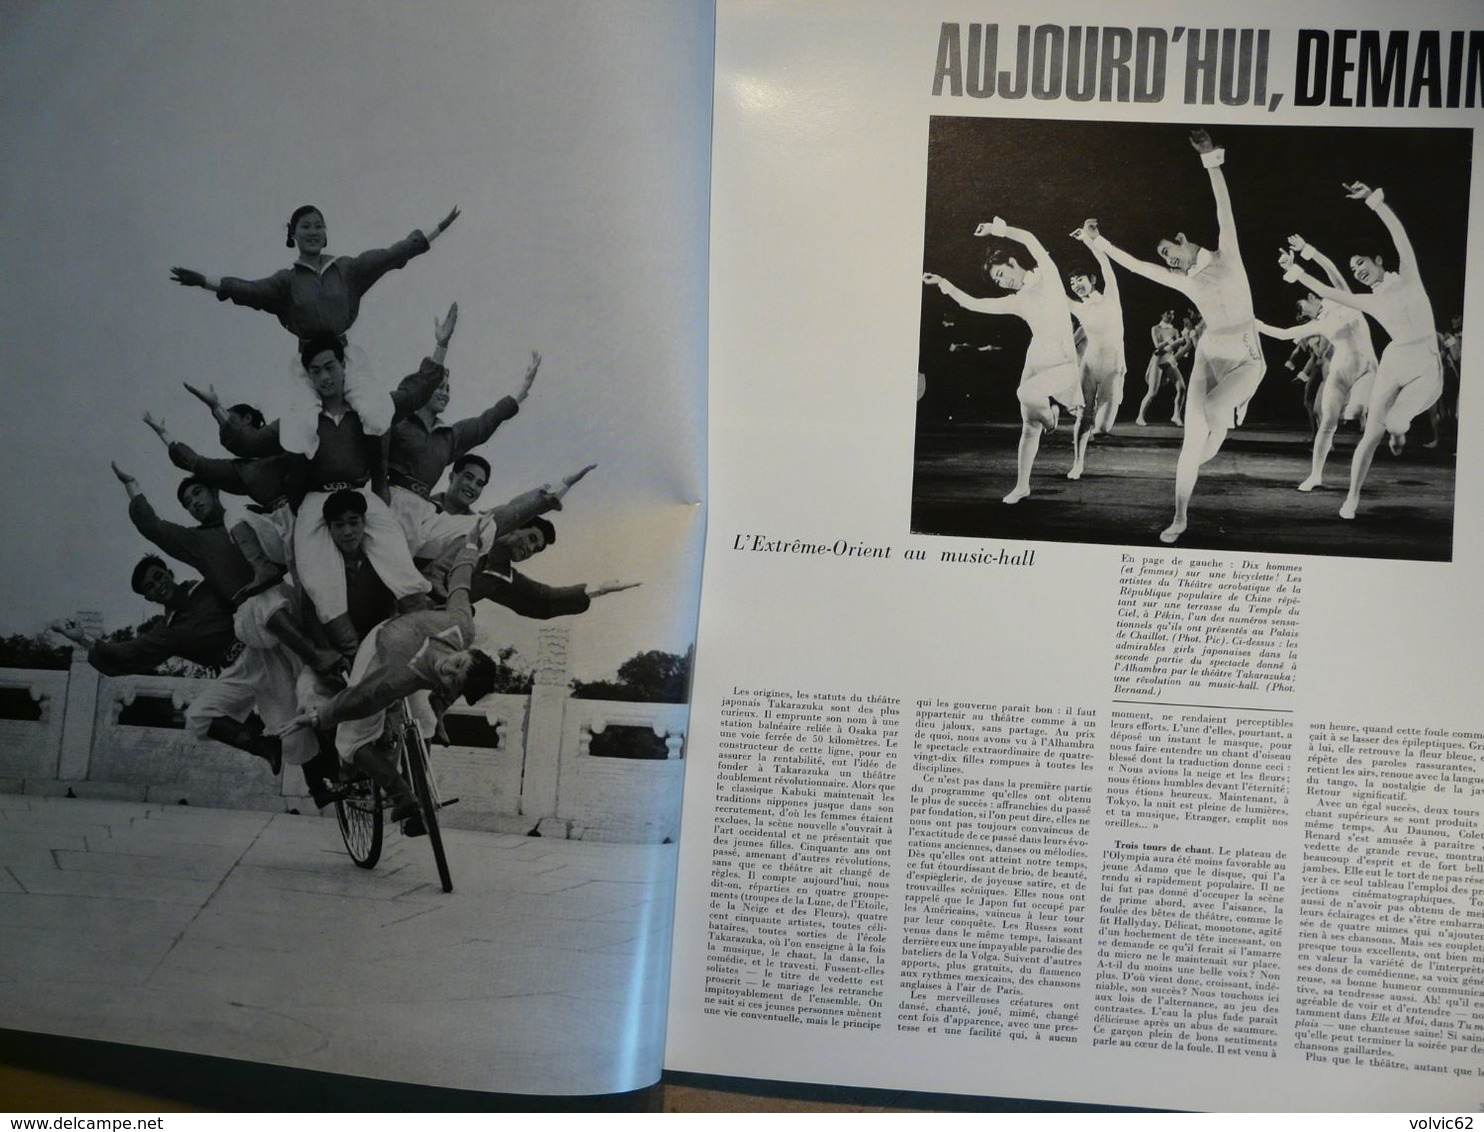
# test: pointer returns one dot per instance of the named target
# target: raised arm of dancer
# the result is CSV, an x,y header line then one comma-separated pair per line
x,y
1156,273
1329,267
998,227
969,302
1212,158
1293,273
1375,200
1110,277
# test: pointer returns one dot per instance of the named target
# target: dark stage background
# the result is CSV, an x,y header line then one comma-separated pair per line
x,y
1144,182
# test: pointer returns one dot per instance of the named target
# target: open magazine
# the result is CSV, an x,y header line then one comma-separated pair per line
x,y
1084,699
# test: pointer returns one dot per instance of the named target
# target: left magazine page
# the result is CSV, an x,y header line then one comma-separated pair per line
x,y
256,629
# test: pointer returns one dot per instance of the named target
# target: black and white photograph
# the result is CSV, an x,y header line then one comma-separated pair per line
x,y
1236,337
354,359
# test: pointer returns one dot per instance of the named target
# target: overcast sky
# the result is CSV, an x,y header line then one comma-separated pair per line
x,y
146,135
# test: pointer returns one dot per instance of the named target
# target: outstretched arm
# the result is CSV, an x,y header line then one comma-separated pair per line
x,y
364,270
272,294
74,633
131,485
1094,239
1286,334
242,439
461,573
1293,273
443,225
157,426
967,301
612,587
523,508
209,398
471,432
378,690
172,538
530,378
188,278
224,475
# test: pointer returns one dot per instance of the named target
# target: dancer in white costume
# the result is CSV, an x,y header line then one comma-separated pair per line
x,y
1409,376
1051,369
1100,314
1169,346
1228,362
1351,361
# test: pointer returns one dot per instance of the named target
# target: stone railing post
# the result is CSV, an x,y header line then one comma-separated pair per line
x,y
538,795
77,718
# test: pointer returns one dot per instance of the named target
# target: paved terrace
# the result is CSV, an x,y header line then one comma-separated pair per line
x,y
251,935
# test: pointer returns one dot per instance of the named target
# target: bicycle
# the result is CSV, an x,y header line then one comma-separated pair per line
x,y
360,812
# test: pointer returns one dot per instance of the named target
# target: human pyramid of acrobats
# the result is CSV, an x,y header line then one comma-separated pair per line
x,y
334,580
1416,373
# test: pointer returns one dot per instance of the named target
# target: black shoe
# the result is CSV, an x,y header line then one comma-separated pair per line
x,y
405,809
323,794
269,748
378,763
413,827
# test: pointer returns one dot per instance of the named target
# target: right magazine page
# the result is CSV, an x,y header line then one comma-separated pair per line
x,y
1087,702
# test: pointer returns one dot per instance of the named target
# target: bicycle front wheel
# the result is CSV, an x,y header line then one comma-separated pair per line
x,y
415,753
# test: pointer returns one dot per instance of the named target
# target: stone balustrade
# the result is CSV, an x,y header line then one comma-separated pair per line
x,y
517,763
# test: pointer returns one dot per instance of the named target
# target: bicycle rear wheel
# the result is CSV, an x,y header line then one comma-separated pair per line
x,y
359,816
415,757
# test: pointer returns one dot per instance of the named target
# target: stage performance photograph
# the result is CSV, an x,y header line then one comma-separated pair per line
x,y
1193,335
